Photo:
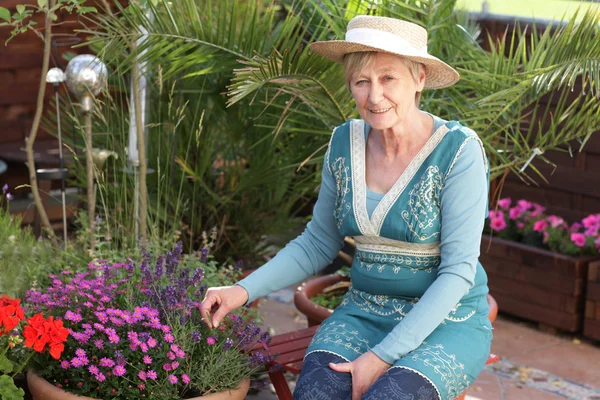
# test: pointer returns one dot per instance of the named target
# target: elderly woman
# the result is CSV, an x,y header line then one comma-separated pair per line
x,y
411,189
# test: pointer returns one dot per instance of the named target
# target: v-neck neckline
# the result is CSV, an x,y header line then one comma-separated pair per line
x,y
359,135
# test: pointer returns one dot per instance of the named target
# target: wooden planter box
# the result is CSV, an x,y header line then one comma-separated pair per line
x,y
591,324
536,284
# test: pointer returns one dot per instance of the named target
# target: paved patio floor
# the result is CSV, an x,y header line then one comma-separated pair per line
x,y
535,365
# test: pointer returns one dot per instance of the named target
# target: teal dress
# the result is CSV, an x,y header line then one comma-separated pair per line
x,y
397,259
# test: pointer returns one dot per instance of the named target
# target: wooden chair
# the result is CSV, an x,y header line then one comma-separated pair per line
x,y
292,346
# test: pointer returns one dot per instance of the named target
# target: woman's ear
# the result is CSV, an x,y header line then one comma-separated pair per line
x,y
422,76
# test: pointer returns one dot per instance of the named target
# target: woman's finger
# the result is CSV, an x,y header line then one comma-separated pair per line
x,y
206,307
344,367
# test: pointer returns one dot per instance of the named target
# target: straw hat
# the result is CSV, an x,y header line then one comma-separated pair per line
x,y
389,35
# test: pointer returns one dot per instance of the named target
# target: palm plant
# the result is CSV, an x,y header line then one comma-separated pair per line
x,y
502,94
239,103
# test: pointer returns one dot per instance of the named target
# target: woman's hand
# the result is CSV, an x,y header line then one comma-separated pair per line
x,y
219,301
365,370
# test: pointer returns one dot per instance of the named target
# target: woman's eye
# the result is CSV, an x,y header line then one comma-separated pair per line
x,y
388,78
361,81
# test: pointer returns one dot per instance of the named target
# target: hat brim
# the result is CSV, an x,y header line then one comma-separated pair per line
x,y
438,73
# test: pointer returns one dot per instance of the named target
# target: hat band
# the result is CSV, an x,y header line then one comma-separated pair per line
x,y
385,41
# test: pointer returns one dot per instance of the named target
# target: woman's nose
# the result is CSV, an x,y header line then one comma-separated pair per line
x,y
375,93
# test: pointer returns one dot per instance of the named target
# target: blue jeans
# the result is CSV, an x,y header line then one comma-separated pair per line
x,y
319,382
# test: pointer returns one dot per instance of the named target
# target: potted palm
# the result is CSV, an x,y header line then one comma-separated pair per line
x,y
537,264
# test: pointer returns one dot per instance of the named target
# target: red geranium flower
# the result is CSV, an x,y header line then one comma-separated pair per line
x,y
11,314
40,332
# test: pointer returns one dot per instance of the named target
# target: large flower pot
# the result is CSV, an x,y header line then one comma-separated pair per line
x,y
591,323
536,284
41,389
315,314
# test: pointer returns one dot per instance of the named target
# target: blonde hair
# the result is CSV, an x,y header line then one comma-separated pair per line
x,y
355,62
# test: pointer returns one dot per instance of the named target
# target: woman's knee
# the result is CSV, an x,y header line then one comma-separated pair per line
x,y
401,383
318,381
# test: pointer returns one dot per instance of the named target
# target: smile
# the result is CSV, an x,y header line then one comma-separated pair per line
x,y
381,111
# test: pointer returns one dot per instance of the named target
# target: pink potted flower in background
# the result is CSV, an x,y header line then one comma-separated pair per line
x,y
537,264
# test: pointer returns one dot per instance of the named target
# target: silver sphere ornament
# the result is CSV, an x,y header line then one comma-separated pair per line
x,y
55,75
86,75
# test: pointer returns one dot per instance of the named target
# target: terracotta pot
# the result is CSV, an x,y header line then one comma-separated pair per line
x,y
41,389
315,314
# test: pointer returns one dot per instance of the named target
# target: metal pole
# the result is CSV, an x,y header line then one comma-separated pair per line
x,y
90,171
61,166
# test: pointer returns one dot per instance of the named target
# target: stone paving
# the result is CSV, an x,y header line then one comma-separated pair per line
x,y
535,365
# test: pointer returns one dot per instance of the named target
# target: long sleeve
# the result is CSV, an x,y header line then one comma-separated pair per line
x,y
314,249
463,211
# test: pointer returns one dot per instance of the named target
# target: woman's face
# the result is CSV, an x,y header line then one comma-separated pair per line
x,y
385,91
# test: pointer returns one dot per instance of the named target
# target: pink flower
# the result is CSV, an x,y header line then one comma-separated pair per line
x,y
555,221
173,379
546,236
524,205
496,214
106,362
520,225
496,224
174,364
504,203
578,239
592,231
152,375
537,210
169,338
93,370
185,379
65,364
119,370
211,340
540,225
167,367
142,375
100,377
575,227
515,213
147,359
597,243
152,342
591,221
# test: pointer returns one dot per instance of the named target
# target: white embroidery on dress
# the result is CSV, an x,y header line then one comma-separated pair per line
x,y
391,246
342,182
396,262
394,193
459,319
424,205
452,373
472,136
336,334
357,151
383,305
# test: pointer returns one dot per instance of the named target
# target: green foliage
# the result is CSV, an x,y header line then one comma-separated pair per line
x,y
501,94
8,390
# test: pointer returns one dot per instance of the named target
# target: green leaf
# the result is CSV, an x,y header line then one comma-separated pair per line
x,y
5,365
83,10
53,16
20,8
5,14
8,390
42,3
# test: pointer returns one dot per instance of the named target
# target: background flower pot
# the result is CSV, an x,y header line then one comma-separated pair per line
x,y
315,314
536,284
591,324
41,389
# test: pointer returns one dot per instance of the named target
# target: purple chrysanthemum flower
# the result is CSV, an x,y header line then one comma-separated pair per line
x,y
106,362
119,370
185,379
169,338
174,365
167,367
152,375
173,379
80,352
142,375
64,364
210,340
100,377
93,370
71,316
147,359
